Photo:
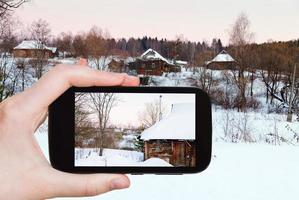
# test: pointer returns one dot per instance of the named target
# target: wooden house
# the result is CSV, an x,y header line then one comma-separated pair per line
x,y
33,49
117,65
222,61
173,137
152,63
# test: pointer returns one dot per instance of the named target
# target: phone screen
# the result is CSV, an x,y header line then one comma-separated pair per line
x,y
135,129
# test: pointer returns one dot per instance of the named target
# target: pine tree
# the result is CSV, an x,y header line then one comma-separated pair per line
x,y
139,143
219,45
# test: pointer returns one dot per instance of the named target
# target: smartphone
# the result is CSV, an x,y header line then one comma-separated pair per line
x,y
159,130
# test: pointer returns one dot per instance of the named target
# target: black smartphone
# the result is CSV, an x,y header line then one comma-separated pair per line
x,y
160,130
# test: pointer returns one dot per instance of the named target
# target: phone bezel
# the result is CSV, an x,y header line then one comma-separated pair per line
x,y
61,131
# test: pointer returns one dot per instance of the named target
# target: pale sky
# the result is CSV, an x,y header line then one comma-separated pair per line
x,y
197,20
130,106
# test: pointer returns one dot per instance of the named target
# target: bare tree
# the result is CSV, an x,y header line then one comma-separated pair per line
x,y
40,32
239,37
205,79
205,76
8,37
64,43
272,63
79,47
9,77
84,130
25,75
152,113
98,47
9,5
101,105
9,73
242,129
81,115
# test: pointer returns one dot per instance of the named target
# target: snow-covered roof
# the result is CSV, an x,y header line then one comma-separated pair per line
x,y
178,125
181,62
53,49
223,56
34,44
151,54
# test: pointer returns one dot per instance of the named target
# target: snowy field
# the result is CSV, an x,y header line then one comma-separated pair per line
x,y
110,157
240,171
115,157
237,171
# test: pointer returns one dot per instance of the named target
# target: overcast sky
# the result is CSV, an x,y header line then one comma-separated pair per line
x,y
197,20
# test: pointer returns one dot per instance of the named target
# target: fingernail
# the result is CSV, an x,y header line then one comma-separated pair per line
x,y
119,183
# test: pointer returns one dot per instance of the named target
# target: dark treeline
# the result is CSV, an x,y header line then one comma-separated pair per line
x,y
82,44
258,56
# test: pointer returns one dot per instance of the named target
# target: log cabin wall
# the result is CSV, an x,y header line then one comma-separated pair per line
x,y
221,65
152,67
32,53
116,66
177,153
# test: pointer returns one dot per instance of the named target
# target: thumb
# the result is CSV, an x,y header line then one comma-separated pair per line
x,y
79,185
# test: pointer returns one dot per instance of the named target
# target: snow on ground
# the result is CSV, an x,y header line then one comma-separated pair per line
x,y
127,141
237,171
111,157
240,171
259,125
153,162
115,157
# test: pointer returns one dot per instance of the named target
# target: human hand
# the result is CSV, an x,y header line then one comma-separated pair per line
x,y
24,171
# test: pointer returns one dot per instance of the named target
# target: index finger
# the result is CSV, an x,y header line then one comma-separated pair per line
x,y
62,77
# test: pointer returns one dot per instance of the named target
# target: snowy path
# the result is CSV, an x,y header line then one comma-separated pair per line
x,y
237,171
111,157
115,157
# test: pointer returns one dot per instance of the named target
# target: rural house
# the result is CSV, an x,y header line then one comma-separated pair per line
x,y
117,65
173,137
152,63
222,61
32,49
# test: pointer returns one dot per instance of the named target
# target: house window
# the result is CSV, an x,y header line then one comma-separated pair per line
x,y
153,65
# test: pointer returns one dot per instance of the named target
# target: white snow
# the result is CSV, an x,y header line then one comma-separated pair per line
x,y
151,54
223,56
237,171
156,162
181,62
178,125
110,157
114,157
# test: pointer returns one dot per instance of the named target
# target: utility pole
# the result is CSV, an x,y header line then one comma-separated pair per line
x,y
290,114
160,108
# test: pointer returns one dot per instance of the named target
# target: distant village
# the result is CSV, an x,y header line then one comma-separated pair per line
x,y
150,63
